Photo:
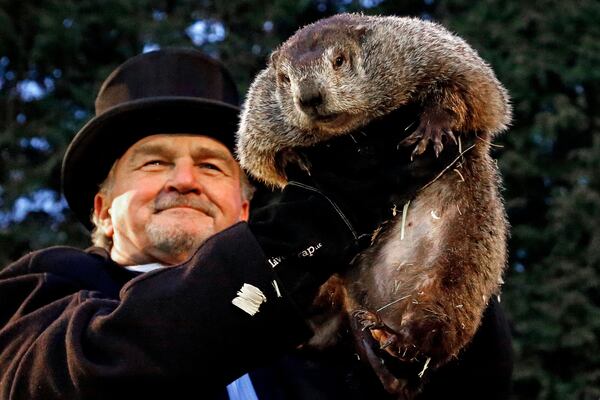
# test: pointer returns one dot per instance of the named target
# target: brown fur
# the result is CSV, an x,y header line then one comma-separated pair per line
x,y
420,297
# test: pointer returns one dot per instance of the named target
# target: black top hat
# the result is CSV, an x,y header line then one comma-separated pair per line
x,y
165,91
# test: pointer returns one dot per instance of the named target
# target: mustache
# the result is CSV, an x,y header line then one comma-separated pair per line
x,y
171,200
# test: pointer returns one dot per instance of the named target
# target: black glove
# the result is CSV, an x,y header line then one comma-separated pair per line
x,y
306,238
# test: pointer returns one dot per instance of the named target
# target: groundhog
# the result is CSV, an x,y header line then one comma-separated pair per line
x,y
420,290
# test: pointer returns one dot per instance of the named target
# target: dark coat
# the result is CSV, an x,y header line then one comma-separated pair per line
x,y
74,325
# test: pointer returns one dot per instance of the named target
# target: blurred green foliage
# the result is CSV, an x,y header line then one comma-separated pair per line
x,y
55,53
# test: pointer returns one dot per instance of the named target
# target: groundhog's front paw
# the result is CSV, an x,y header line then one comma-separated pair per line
x,y
396,344
434,125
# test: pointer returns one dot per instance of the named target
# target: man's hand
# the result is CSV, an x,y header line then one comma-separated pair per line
x,y
306,238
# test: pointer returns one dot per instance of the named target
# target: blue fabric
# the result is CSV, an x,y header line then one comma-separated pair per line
x,y
241,389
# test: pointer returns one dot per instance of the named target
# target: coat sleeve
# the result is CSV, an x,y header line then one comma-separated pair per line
x,y
169,331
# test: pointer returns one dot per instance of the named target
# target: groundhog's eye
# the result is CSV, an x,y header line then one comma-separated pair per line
x,y
283,77
339,61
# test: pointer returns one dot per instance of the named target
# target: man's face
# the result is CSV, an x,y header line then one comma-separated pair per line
x,y
169,193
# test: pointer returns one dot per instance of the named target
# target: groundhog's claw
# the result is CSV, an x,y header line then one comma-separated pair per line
x,y
393,343
422,136
391,340
372,325
388,340
435,124
438,146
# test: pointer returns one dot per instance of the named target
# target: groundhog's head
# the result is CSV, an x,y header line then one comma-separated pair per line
x,y
320,76
315,87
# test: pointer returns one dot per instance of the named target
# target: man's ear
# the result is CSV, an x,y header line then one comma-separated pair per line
x,y
102,213
245,212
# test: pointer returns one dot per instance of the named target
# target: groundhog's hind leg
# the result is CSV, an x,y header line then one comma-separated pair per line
x,y
374,339
387,339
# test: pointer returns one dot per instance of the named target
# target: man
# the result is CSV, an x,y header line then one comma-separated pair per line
x,y
180,299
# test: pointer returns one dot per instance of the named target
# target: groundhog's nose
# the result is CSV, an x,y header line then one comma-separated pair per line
x,y
311,101
309,97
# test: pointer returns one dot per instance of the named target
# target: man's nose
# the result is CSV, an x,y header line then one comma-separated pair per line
x,y
184,178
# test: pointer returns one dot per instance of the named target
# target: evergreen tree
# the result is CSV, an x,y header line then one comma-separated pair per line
x,y
546,52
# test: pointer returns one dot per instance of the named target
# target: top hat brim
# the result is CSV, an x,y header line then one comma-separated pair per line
x,y
106,137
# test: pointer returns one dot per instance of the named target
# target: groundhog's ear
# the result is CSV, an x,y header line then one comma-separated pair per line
x,y
274,57
359,31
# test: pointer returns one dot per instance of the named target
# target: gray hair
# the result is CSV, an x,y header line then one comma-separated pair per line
x,y
99,237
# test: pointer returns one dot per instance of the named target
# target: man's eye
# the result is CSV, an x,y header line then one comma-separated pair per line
x,y
210,166
154,163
